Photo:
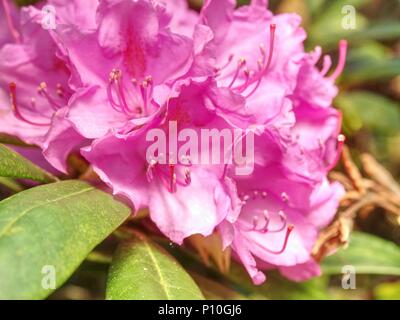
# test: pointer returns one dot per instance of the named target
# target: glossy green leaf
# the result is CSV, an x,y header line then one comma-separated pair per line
x,y
368,254
142,270
238,285
50,230
13,165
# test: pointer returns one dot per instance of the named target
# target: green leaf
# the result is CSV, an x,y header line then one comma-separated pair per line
x,y
381,30
13,165
387,291
213,290
25,2
142,270
315,6
369,51
370,70
368,254
362,109
54,225
7,139
276,287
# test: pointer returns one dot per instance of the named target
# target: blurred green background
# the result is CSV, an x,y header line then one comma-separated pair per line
x,y
370,101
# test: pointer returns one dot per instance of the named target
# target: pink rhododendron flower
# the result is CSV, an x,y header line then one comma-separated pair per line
x,y
113,71
308,136
9,30
279,221
35,111
257,56
127,65
184,199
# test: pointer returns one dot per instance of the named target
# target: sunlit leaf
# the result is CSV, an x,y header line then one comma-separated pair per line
x,y
49,230
142,270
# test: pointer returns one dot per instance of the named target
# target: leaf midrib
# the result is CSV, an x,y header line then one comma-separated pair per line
x,y
163,283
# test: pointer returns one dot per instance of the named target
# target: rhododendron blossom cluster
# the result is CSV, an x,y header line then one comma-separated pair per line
x,y
99,82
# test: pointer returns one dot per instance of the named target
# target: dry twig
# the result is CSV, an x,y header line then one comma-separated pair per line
x,y
363,194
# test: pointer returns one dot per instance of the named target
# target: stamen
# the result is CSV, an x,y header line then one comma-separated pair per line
x,y
267,220
283,219
167,176
218,69
116,78
60,90
264,228
255,223
146,89
112,78
263,194
121,95
149,80
188,178
149,171
14,33
15,109
247,74
172,178
262,49
262,72
285,242
33,103
42,90
285,197
260,64
326,65
341,139
342,60
225,172
241,64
